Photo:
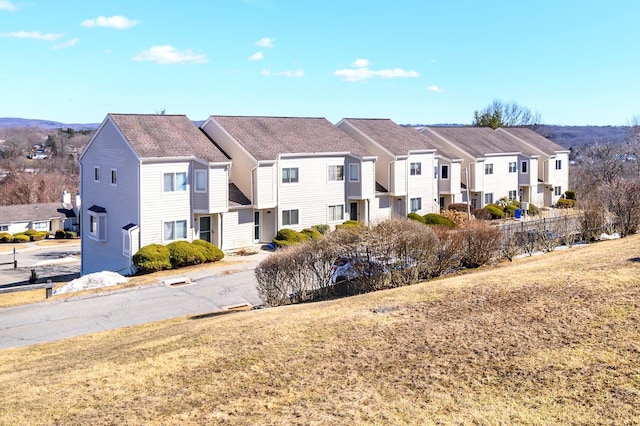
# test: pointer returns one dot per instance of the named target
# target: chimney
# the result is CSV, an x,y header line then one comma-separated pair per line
x,y
66,197
78,203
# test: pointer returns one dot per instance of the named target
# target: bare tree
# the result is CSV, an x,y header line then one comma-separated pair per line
x,y
505,114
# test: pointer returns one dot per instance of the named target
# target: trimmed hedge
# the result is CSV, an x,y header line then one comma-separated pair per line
x,y
351,224
312,233
183,253
564,203
438,219
416,217
6,237
211,252
495,210
21,238
152,258
286,237
322,228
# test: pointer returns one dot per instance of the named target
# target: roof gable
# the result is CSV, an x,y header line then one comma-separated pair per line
x,y
480,141
166,136
396,139
266,138
533,139
33,212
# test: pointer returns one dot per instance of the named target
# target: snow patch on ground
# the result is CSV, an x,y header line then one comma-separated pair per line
x,y
90,281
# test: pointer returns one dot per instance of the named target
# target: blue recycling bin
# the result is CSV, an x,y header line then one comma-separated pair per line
x,y
518,213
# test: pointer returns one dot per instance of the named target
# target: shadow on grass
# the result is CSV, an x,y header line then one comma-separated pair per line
x,y
635,259
212,315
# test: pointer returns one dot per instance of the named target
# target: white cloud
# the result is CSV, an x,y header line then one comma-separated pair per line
x,y
33,35
359,63
293,74
7,5
66,44
170,55
360,71
434,88
115,22
258,56
266,42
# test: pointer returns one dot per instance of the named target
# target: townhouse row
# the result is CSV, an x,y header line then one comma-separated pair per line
x,y
235,181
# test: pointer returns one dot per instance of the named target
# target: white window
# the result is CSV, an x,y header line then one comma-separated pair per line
x,y
445,172
415,204
290,175
336,173
4,228
201,180
488,169
354,172
415,169
488,198
290,217
558,164
97,223
175,230
175,182
336,213
114,177
96,174
41,225
557,190
513,167
513,194
523,167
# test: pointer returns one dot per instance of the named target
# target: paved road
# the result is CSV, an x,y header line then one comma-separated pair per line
x,y
59,263
211,290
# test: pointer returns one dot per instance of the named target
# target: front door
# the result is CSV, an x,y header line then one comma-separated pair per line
x,y
205,228
353,211
256,226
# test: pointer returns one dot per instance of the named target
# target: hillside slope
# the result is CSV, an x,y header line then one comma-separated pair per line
x,y
551,339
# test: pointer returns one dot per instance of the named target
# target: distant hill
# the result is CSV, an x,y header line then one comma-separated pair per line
x,y
569,136
573,136
6,122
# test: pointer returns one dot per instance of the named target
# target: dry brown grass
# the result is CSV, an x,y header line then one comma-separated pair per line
x,y
550,339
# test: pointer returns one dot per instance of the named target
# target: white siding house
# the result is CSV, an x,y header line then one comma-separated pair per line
x,y
147,179
298,172
405,168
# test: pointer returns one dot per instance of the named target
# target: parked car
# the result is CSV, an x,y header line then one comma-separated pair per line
x,y
347,268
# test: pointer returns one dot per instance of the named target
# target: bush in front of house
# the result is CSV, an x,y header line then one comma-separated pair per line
x,y
495,210
533,210
354,224
152,258
570,195
70,234
183,253
287,237
322,228
482,214
416,217
211,252
21,238
60,235
312,233
438,219
565,203
6,237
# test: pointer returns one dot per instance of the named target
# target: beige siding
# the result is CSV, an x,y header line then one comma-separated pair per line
x,y
237,229
243,163
422,185
265,186
398,173
501,181
380,208
158,206
313,193
218,189
368,178
108,150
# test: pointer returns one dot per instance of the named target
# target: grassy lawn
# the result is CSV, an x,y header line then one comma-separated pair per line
x,y
551,339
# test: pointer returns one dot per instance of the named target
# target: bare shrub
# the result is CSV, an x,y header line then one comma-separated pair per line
x,y
481,244
447,257
510,245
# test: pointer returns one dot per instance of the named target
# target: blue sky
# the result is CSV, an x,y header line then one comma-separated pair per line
x,y
74,61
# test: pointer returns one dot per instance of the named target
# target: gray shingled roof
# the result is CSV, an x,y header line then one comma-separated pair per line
x,y
536,140
159,135
481,141
267,137
236,197
394,138
33,212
